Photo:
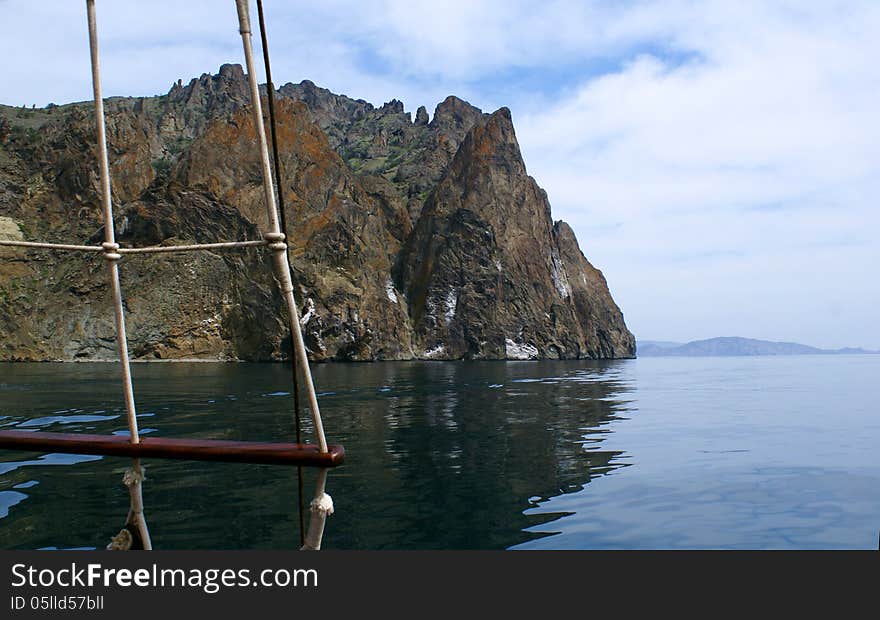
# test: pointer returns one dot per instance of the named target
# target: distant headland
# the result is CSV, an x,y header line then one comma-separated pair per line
x,y
729,346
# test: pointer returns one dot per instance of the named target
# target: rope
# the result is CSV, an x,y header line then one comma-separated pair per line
x,y
134,535
156,249
276,237
270,87
52,246
133,479
110,247
153,249
112,255
320,508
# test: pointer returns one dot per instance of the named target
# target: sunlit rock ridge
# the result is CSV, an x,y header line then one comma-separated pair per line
x,y
411,238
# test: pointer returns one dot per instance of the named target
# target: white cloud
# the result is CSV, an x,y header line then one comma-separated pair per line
x,y
736,192
718,160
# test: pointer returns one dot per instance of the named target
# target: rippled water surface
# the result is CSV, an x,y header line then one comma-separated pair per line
x,y
669,453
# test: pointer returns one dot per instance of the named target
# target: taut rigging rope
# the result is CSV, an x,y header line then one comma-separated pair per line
x,y
270,88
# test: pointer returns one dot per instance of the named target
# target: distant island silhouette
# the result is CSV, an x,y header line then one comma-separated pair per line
x,y
729,346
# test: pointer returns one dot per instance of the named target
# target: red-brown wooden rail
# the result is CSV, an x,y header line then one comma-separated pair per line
x,y
306,455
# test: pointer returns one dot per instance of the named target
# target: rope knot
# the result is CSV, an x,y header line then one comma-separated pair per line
x,y
121,542
111,250
276,241
133,476
322,505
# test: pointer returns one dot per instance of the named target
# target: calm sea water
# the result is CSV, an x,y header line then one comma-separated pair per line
x,y
746,453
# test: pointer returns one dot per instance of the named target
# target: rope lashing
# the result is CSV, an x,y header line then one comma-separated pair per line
x,y
320,508
275,241
135,534
133,476
123,541
111,251
133,479
323,504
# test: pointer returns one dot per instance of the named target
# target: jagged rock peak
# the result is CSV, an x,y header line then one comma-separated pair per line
x,y
497,129
228,85
311,94
395,106
231,72
491,144
421,116
228,74
456,113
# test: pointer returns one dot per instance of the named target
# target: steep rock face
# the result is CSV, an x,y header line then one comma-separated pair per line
x,y
413,238
597,318
487,274
346,238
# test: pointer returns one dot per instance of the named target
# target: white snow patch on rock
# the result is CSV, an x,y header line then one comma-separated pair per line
x,y
451,304
389,290
560,278
516,351
435,352
310,312
320,342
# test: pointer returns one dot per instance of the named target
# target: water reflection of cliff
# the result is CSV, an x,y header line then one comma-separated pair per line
x,y
439,455
454,453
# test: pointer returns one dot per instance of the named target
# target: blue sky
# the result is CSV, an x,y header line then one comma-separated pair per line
x,y
719,161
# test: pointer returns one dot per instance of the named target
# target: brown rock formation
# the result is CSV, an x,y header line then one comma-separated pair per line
x,y
411,238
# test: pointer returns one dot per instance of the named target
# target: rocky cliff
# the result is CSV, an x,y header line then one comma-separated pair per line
x,y
412,239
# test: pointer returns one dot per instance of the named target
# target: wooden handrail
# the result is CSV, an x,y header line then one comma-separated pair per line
x,y
307,455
